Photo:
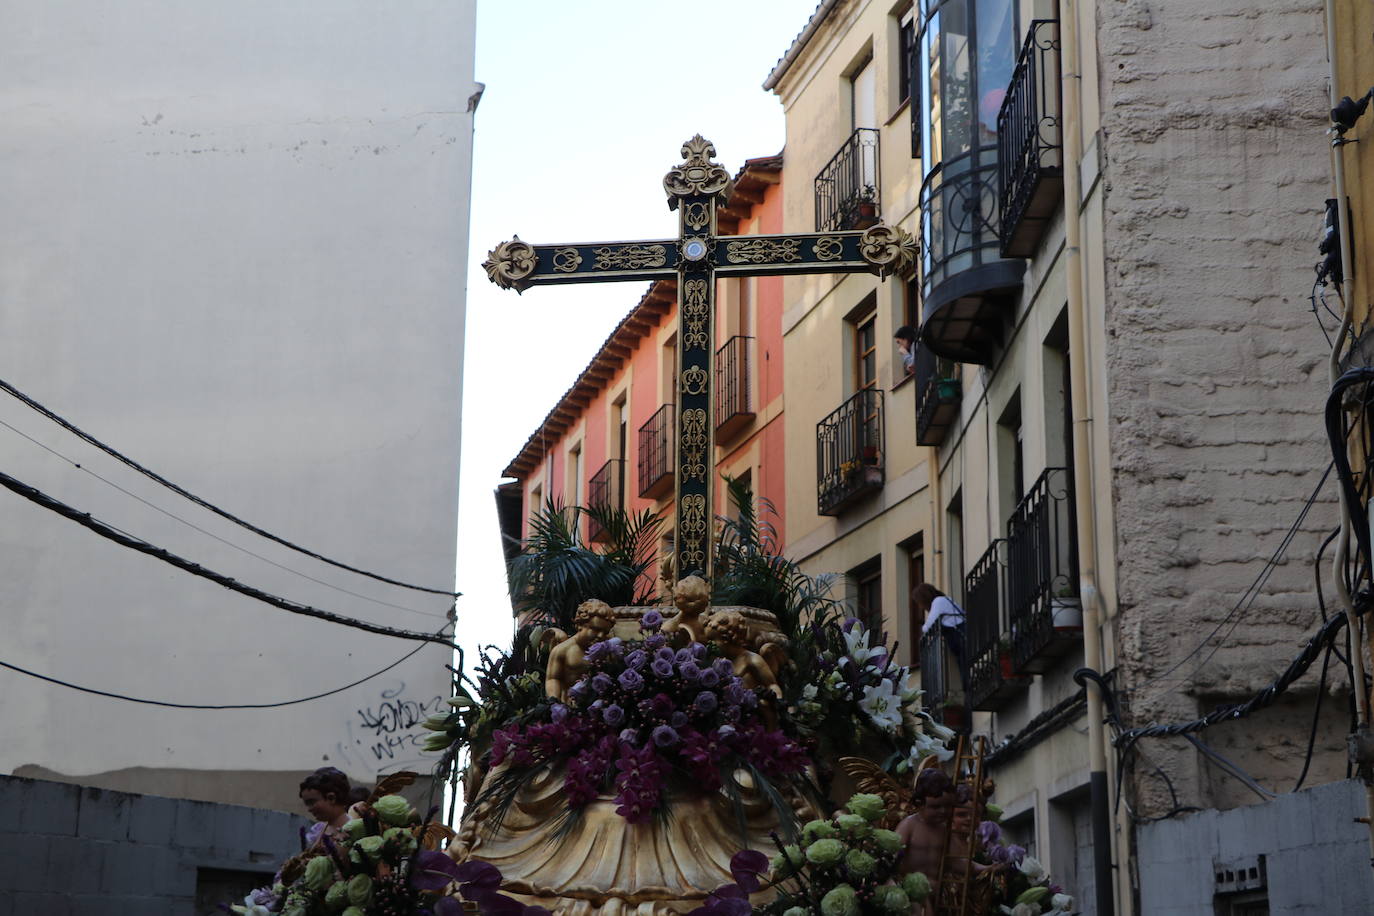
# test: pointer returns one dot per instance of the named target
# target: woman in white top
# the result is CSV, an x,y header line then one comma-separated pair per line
x,y
940,610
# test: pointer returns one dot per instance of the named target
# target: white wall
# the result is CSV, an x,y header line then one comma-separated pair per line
x,y
232,244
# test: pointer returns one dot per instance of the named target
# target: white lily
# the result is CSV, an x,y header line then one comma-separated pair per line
x,y
1062,902
1033,870
882,705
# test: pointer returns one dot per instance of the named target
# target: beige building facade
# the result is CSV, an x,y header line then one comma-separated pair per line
x,y
1109,449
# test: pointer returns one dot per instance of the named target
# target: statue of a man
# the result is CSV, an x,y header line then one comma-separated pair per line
x,y
568,659
691,596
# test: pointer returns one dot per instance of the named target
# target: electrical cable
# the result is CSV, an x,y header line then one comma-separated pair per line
x,y
1231,767
212,535
134,543
1247,597
129,699
1316,719
158,478
1260,700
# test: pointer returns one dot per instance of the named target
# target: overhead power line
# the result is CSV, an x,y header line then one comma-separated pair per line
x,y
210,534
108,532
128,699
158,478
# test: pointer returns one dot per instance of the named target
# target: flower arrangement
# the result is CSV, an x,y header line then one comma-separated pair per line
x,y
856,695
643,712
381,866
843,866
1018,883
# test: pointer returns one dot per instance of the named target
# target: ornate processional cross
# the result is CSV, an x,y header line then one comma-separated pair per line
x,y
697,257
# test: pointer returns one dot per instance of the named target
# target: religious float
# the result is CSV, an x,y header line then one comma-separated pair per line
x,y
729,742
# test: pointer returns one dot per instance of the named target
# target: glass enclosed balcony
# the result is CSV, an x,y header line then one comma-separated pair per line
x,y
966,53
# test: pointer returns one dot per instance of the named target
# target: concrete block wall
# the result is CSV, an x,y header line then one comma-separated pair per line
x,y
1216,170
1316,856
69,850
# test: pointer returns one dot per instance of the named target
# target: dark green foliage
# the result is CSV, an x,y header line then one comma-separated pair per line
x,y
556,571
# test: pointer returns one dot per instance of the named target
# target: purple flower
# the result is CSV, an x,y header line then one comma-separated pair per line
x,y
662,705
724,732
597,704
558,712
989,833
678,719
662,667
710,678
629,736
651,621
578,691
636,659
665,736
604,650
655,642
723,667
665,653
613,715
602,682
630,681
689,671
698,651
706,701
735,692
683,656
1016,853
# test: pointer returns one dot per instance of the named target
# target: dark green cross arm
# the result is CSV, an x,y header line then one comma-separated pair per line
x,y
697,258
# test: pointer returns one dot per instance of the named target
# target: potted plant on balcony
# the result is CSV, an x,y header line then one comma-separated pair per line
x,y
1066,612
866,207
947,390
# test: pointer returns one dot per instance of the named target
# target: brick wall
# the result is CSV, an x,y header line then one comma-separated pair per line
x,y
72,851
1216,171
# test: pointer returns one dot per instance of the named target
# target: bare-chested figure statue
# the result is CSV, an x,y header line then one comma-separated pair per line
x,y
691,596
568,659
728,630
923,833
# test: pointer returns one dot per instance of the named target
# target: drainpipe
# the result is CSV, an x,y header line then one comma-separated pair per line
x,y
1357,645
1084,501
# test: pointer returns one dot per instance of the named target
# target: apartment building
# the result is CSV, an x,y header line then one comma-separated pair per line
x,y
1111,448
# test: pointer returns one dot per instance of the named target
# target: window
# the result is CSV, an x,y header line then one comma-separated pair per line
x,y
866,352
863,87
536,501
913,549
954,547
868,597
911,303
576,480
1011,461
906,49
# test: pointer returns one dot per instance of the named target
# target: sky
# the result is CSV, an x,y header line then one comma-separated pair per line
x,y
586,107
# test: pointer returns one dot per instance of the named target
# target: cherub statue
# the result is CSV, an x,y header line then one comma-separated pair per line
x,y
924,833
691,596
728,630
568,659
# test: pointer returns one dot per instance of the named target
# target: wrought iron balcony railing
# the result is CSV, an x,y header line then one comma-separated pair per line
x,y
847,188
991,681
1030,144
968,288
734,407
944,698
849,452
605,490
1043,612
938,393
656,454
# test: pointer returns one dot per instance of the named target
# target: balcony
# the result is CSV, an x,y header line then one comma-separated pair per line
x,y
656,454
734,407
938,394
606,490
1042,579
1029,143
847,188
991,681
968,289
849,453
944,696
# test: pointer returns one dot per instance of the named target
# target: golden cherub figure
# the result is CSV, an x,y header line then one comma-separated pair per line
x,y
691,596
728,630
568,659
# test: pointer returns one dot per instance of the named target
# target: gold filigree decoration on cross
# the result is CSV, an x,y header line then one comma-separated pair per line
x,y
698,174
887,249
695,314
566,260
763,251
695,380
509,263
694,445
693,531
630,257
828,248
696,215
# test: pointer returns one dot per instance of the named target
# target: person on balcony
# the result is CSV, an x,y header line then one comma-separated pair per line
x,y
906,343
939,610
